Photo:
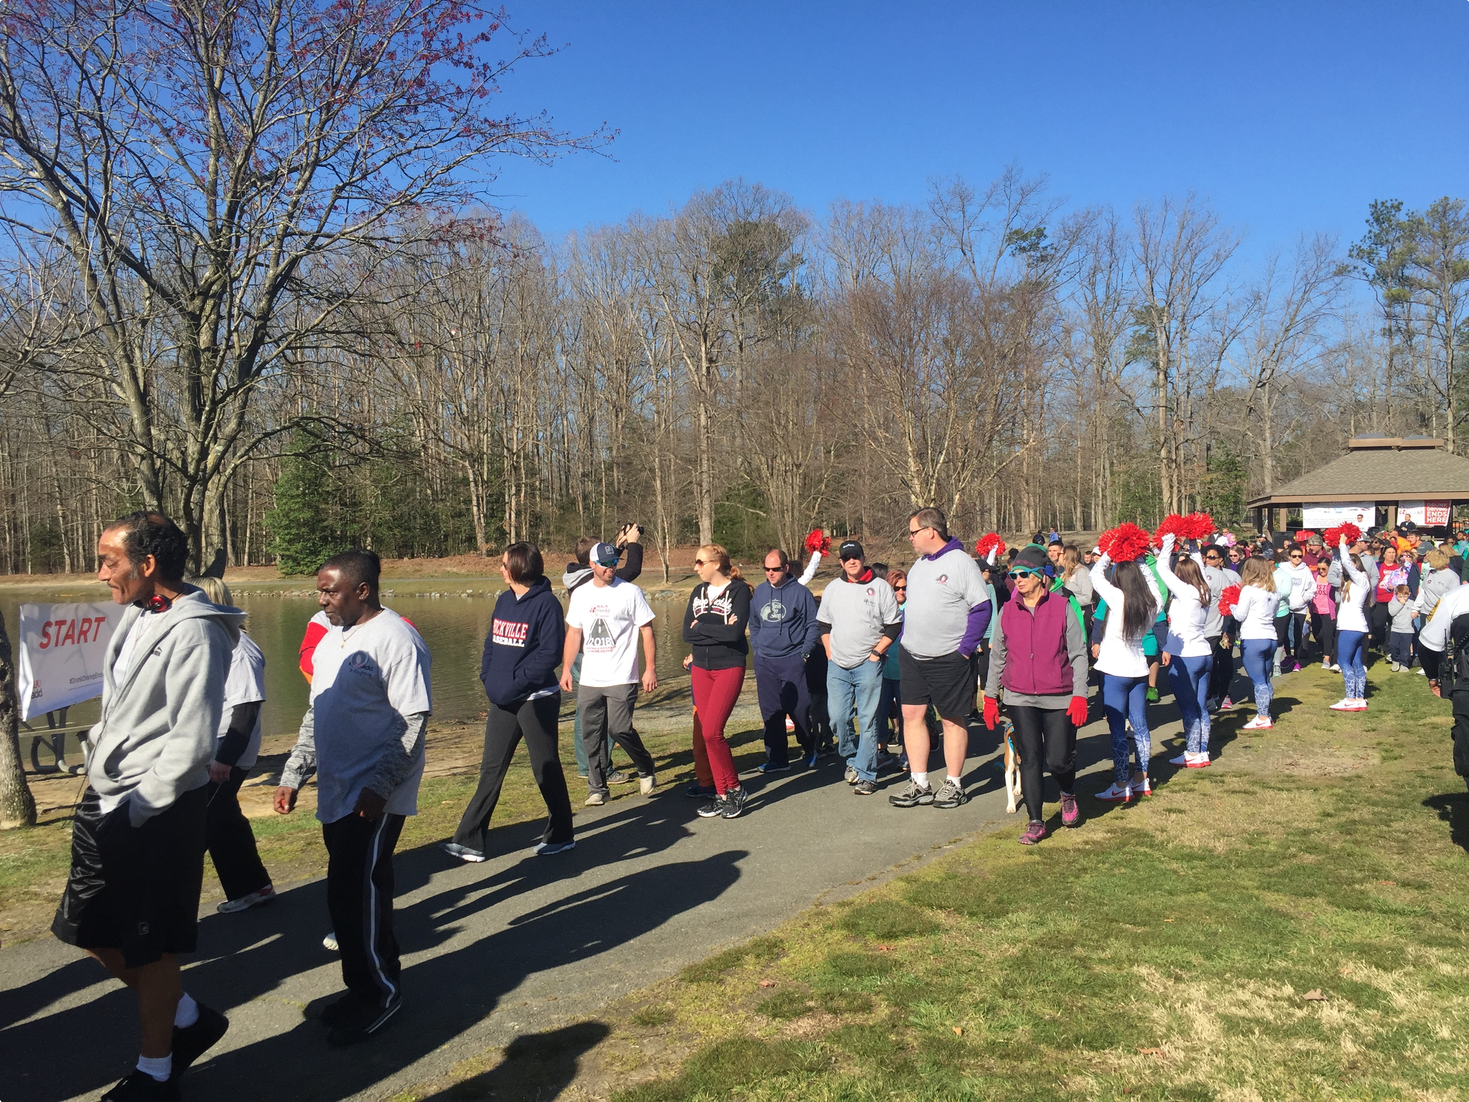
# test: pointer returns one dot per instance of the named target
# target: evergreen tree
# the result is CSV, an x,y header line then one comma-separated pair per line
x,y
302,524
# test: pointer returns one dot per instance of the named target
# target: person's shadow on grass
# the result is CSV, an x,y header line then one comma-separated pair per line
x,y
1453,808
536,1065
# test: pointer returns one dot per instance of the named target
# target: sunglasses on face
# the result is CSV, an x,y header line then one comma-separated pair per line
x,y
699,562
774,569
1016,575
900,589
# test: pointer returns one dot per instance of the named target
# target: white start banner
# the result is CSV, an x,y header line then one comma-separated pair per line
x,y
61,653
1427,514
1361,513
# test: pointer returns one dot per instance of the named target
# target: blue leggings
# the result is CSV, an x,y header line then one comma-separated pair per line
x,y
1258,656
1190,679
1125,698
1350,650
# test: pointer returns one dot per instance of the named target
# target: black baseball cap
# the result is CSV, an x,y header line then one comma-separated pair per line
x,y
850,549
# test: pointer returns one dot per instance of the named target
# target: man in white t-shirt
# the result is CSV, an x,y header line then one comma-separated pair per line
x,y
363,737
604,621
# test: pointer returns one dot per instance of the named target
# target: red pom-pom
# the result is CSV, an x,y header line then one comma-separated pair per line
x,y
817,541
1350,531
989,540
1228,598
1172,525
1197,526
1125,542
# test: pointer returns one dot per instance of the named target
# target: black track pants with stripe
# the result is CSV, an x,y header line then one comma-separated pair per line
x,y
359,895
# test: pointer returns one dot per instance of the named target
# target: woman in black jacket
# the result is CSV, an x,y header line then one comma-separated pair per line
x,y
714,625
519,674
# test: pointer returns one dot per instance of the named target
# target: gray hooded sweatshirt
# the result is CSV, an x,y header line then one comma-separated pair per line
x,y
157,733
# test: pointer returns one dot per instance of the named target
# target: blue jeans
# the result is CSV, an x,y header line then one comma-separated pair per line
x,y
1190,680
1125,698
1258,656
860,687
1351,646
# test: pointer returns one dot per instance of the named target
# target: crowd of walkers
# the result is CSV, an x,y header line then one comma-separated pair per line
x,y
886,667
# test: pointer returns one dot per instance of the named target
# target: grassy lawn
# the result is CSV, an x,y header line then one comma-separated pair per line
x,y
1290,923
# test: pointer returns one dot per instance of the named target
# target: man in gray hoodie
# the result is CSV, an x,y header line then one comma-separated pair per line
x,y
137,858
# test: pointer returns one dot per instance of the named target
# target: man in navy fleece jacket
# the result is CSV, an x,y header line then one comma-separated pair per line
x,y
783,630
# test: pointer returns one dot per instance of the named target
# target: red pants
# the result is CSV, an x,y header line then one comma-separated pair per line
x,y
701,755
715,693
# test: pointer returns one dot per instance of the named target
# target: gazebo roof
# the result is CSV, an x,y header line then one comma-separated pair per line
x,y
1380,469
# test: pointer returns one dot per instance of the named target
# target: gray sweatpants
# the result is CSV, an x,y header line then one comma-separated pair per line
x,y
603,711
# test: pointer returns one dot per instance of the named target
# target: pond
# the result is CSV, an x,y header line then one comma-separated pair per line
x,y
453,625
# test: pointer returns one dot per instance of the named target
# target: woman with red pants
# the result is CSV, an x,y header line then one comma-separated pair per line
x,y
714,625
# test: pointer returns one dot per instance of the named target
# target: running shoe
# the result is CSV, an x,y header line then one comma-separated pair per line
x,y
851,774
864,788
329,943
647,785
885,761
1145,788
360,1020
620,776
713,809
1226,704
700,791
1033,833
772,767
1182,759
1335,668
1326,665
1070,810
245,902
1115,793
811,760
1342,705
1397,667
912,795
142,1087
191,1042
596,799
734,802
950,794
1358,706
1259,723
1201,760
1152,695
550,849
464,853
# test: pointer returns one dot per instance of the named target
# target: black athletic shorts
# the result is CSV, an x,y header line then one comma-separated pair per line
x,y
134,888
948,683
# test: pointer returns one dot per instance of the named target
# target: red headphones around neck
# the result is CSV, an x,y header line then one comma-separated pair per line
x,y
156,603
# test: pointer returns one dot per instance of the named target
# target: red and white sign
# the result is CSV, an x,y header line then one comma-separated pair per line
x,y
1429,514
61,653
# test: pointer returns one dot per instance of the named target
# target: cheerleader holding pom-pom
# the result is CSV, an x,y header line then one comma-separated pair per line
x,y
818,543
1253,606
1351,623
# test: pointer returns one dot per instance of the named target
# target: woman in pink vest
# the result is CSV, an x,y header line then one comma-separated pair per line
x,y
1038,659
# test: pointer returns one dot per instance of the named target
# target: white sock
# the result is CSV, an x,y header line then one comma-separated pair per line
x,y
920,779
955,780
187,1013
159,1067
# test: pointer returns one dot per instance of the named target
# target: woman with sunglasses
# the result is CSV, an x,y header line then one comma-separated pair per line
x,y
714,625
1132,600
1297,586
1255,611
1190,655
1038,666
1351,630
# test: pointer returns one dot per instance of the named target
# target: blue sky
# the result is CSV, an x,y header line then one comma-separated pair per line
x,y
1286,117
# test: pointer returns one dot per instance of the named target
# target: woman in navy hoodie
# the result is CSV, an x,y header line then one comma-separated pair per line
x,y
519,674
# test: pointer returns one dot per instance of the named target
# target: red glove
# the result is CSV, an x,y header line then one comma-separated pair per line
x,y
1077,711
991,712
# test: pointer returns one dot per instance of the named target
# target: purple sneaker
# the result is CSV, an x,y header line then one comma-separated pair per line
x,y
1070,812
1033,833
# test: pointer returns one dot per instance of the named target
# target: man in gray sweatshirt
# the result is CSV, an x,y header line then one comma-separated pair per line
x,y
137,858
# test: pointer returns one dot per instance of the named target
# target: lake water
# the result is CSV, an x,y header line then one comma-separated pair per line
x,y
453,625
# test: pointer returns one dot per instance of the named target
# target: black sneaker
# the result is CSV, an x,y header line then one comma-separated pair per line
x,y
864,788
713,809
142,1087
912,795
700,791
343,1007
734,803
193,1041
950,794
360,1019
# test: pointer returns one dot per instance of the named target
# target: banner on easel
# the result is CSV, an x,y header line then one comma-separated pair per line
x,y
61,653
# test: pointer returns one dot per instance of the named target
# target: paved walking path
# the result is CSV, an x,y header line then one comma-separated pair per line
x,y
517,946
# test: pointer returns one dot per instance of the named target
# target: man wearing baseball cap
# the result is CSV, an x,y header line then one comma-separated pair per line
x,y
604,621
859,620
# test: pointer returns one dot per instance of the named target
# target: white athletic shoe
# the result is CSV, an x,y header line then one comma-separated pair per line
x,y
1114,793
1259,723
646,785
330,942
1342,705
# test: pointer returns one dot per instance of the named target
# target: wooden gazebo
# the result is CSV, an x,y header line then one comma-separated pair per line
x,y
1382,480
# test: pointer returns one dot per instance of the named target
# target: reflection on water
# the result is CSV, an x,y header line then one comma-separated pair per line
x,y
453,626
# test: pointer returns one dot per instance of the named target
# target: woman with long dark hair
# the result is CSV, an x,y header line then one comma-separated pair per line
x,y
1189,653
714,625
518,669
1255,611
1351,630
1132,606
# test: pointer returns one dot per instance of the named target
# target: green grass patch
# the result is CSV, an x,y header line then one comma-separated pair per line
x,y
1165,952
759,950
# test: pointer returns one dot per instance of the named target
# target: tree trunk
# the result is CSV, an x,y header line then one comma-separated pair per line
x,y
17,805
